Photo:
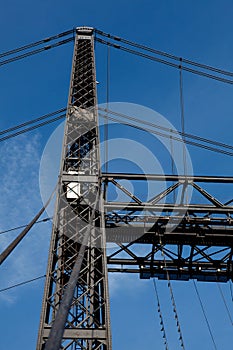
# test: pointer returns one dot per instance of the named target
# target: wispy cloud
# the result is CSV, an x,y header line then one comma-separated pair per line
x,y
20,201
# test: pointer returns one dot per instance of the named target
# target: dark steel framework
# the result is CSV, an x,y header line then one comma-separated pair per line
x,y
185,240
79,218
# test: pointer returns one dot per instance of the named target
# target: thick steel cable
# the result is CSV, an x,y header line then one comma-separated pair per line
x,y
172,131
32,121
165,54
22,283
165,342
32,128
174,138
172,166
116,38
23,226
34,52
184,196
162,61
225,303
36,43
10,248
204,314
124,123
182,119
169,136
231,291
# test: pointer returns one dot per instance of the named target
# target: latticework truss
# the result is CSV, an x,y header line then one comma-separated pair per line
x,y
79,218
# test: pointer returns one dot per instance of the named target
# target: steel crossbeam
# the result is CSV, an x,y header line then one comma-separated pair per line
x,y
188,240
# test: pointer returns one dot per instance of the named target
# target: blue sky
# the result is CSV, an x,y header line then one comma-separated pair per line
x,y
200,30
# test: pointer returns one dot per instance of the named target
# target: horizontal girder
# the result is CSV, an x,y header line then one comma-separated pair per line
x,y
184,240
166,177
169,207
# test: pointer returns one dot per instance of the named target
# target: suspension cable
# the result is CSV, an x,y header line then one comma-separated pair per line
x,y
172,299
225,303
22,283
172,131
182,118
6,131
172,166
34,52
136,45
4,255
165,54
23,226
36,43
162,61
32,128
231,291
204,313
160,315
184,195
213,149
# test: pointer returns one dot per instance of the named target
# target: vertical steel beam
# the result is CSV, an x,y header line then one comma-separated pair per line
x,y
77,207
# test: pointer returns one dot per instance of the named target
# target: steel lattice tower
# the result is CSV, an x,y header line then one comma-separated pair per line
x,y
87,325
200,246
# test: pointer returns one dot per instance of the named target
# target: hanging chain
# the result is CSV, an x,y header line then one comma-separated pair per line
x,y
173,300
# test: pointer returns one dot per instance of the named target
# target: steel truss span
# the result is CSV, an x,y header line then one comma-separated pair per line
x,y
193,240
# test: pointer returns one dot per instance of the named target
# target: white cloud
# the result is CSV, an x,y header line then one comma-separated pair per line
x,y
20,202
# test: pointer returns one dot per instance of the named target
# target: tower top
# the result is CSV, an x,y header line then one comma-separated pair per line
x,y
85,30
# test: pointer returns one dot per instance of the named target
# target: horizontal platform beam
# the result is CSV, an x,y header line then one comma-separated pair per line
x,y
197,208
178,236
214,271
177,275
147,221
165,177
